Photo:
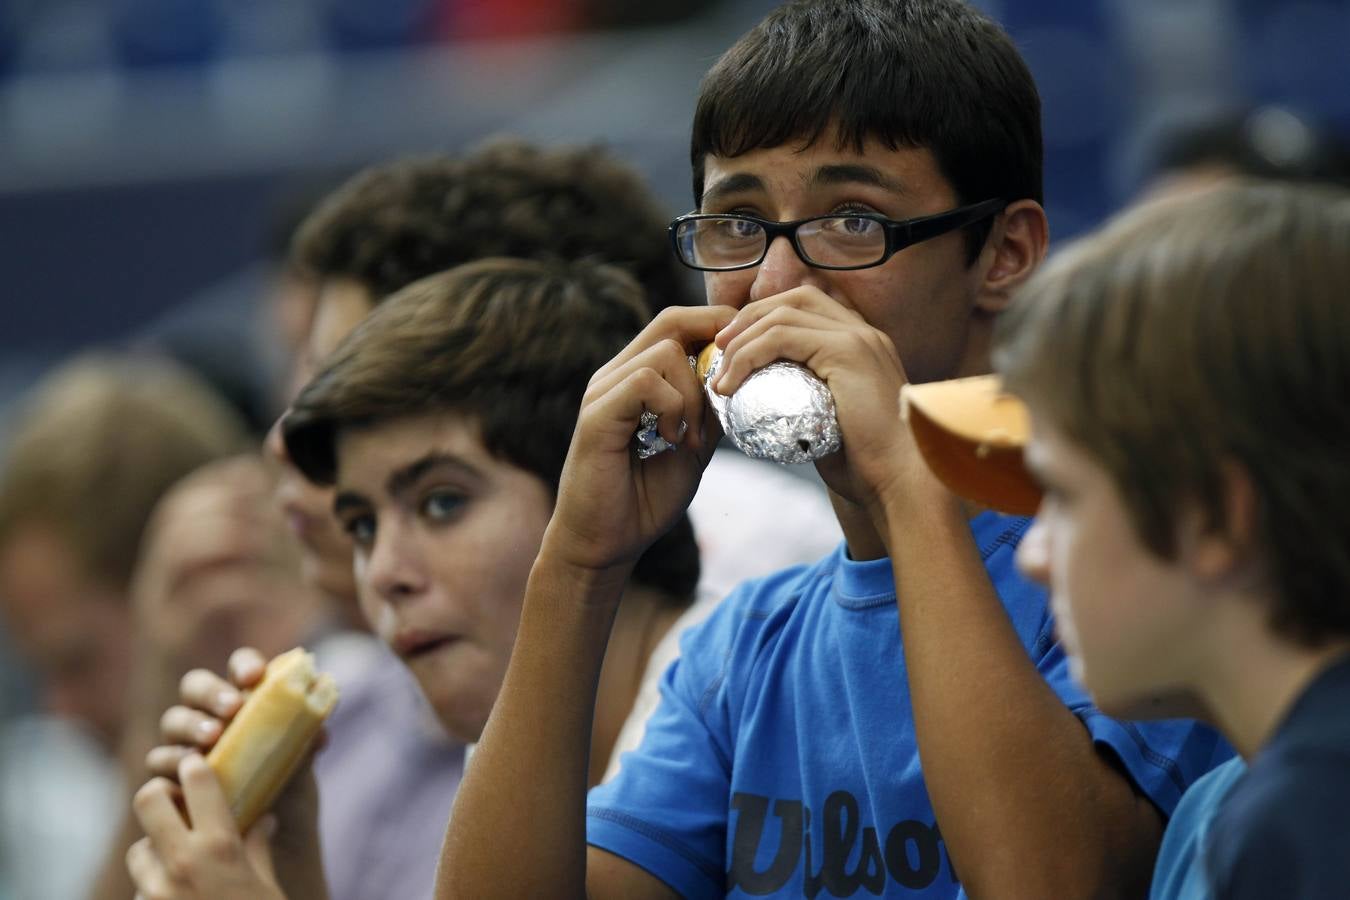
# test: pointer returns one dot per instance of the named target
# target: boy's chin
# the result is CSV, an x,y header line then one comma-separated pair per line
x,y
462,718
1173,703
461,725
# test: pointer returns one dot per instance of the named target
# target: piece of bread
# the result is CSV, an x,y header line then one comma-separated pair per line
x,y
268,738
706,357
972,433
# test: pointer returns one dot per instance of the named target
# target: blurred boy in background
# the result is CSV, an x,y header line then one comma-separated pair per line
x,y
93,449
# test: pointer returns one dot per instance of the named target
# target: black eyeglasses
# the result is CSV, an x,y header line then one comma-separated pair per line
x,y
722,243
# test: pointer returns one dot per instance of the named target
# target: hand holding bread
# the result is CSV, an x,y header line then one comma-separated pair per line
x,y
259,728
256,740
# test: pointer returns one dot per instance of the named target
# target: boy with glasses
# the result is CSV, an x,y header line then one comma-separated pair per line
x,y
785,756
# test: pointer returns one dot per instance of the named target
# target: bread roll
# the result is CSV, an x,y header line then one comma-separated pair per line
x,y
268,738
707,357
972,434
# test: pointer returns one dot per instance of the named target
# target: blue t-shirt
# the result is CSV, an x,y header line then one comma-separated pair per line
x,y
782,759
1284,829
1180,872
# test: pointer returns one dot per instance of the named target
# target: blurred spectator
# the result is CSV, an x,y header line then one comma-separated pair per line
x,y
216,571
1263,142
95,446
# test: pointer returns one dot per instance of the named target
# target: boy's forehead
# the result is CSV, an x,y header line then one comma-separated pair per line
x,y
907,172
385,453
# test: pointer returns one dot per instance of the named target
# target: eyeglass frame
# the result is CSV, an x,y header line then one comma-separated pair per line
x,y
900,233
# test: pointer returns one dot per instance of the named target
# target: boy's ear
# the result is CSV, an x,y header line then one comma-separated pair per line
x,y
1218,549
1016,246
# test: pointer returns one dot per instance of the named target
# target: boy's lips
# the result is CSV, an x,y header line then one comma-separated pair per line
x,y
414,642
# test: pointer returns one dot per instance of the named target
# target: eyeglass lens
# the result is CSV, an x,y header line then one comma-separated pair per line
x,y
721,243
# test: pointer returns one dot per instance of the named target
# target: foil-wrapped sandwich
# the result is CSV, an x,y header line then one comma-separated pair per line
x,y
782,412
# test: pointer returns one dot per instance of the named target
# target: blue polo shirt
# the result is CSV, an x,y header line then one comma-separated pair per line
x,y
782,759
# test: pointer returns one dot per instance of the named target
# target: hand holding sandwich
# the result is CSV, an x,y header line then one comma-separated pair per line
x,y
258,762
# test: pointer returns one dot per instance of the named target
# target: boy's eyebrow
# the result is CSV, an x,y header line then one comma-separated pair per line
x,y
855,173
404,477
740,183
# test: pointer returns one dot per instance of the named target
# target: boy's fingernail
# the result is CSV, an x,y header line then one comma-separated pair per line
x,y
207,729
226,699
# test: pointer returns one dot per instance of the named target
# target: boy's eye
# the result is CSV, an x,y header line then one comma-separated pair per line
x,y
851,227
741,229
441,505
361,529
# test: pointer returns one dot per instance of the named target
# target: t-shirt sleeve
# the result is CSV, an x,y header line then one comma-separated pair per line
x,y
1281,835
1162,758
666,810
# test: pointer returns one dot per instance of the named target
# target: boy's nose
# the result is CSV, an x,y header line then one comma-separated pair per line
x,y
783,270
395,572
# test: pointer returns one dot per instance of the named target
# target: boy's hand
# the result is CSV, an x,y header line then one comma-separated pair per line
x,y
206,859
207,704
862,369
611,505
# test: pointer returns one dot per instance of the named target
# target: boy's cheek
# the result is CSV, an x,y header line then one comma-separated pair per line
x,y
728,288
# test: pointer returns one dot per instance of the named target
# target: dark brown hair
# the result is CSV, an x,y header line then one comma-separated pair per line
x,y
908,73
509,344
1202,330
395,223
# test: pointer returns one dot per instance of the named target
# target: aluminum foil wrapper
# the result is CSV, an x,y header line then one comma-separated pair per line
x,y
648,439
782,412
